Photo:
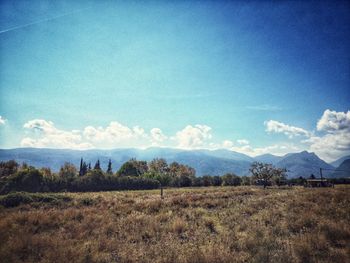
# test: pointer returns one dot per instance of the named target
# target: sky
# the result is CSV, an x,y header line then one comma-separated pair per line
x,y
252,76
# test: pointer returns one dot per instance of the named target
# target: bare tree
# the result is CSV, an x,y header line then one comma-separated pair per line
x,y
264,172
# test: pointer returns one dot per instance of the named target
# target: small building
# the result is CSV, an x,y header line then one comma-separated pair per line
x,y
321,182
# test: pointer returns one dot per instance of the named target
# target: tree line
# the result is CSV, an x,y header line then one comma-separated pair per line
x,y
132,175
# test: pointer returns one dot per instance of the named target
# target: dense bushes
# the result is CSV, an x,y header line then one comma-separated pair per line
x,y
18,198
30,179
91,182
15,199
133,175
97,181
8,168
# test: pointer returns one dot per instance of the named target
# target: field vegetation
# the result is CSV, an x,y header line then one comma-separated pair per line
x,y
212,224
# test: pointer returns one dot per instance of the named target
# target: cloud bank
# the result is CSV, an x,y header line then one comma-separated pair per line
x,y
330,140
334,140
2,120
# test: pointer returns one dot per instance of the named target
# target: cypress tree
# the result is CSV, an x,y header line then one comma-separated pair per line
x,y
84,169
109,169
81,167
97,165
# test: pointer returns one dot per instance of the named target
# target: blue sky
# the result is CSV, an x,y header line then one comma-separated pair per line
x,y
84,74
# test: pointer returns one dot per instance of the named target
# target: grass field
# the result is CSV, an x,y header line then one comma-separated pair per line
x,y
218,224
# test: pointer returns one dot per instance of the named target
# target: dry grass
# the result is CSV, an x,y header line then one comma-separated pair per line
x,y
218,224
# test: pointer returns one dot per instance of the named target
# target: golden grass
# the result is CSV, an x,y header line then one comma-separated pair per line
x,y
215,224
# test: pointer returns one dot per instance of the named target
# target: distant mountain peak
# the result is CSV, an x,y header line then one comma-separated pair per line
x,y
307,153
304,164
338,162
343,170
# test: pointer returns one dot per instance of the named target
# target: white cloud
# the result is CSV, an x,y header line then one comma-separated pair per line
x,y
279,127
47,135
332,121
40,126
264,107
157,136
113,133
335,142
242,142
42,133
2,120
192,137
330,146
330,141
227,144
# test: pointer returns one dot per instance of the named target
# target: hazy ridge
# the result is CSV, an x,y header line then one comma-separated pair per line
x,y
216,162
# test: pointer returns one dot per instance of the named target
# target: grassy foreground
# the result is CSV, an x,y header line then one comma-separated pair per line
x,y
218,224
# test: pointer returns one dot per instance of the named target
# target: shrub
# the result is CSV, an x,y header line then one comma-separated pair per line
x,y
231,179
181,181
19,198
15,199
87,201
8,168
29,180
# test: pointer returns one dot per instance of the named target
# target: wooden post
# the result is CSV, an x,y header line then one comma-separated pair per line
x,y
161,192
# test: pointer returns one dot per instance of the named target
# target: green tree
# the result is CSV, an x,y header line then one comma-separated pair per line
x,y
128,169
207,180
46,172
97,165
181,181
109,169
81,167
245,180
163,179
29,180
216,180
231,179
84,169
8,168
133,168
68,171
159,166
176,169
141,166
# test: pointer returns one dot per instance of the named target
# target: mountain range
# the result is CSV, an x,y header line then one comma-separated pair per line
x,y
338,162
211,162
343,169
